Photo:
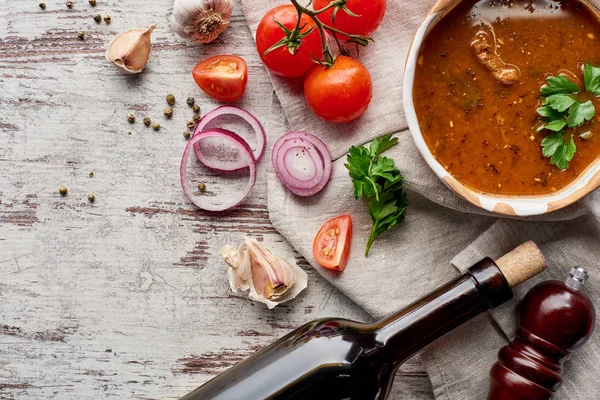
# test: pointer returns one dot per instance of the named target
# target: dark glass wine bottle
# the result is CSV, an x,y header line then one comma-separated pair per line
x,y
341,359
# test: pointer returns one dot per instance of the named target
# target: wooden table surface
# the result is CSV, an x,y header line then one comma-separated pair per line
x,y
126,297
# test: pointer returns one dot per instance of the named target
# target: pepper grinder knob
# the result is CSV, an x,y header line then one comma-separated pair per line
x,y
577,278
555,318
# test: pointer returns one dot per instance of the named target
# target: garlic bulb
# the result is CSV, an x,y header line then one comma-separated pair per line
x,y
270,279
130,51
201,20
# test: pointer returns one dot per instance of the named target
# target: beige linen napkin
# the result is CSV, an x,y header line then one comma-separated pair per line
x,y
442,234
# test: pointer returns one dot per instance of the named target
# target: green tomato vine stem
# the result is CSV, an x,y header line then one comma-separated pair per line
x,y
312,14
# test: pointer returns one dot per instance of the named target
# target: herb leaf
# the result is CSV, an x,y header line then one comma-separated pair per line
x,y
559,85
556,125
382,144
591,78
379,181
550,113
559,102
561,153
386,213
580,112
561,110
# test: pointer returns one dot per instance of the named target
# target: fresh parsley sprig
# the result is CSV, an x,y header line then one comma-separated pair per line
x,y
377,179
561,110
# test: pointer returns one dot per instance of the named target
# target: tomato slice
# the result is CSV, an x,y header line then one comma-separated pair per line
x,y
222,77
331,247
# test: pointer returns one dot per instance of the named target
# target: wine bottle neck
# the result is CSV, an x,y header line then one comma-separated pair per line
x,y
425,321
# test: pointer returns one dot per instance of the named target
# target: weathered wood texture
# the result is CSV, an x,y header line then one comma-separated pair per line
x,y
126,297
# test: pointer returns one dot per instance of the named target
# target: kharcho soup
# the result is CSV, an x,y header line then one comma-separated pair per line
x,y
507,94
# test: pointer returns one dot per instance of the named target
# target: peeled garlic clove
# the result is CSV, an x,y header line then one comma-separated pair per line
x,y
130,51
201,20
272,276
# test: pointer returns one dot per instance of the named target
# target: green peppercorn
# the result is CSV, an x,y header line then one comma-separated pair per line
x,y
92,174
63,191
190,101
107,19
91,197
92,2
147,121
156,126
43,6
81,35
69,4
168,112
98,18
201,187
170,100
131,118
187,135
191,124
196,108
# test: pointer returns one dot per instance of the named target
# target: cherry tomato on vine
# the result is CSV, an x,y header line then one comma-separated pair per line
x,y
341,93
331,247
280,60
222,77
369,15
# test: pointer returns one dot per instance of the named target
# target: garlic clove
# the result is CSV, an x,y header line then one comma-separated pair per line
x,y
201,20
130,51
270,278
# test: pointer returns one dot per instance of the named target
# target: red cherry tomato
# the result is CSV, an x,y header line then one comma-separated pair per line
x,y
280,60
222,77
341,93
370,14
331,247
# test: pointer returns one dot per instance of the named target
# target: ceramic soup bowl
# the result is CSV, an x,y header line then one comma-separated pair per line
x,y
514,205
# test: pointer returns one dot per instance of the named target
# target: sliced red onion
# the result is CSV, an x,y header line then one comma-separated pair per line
x,y
222,164
239,164
292,156
246,156
306,162
289,169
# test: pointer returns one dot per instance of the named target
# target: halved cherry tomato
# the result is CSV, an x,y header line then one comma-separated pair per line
x,y
331,247
341,93
369,15
222,77
280,60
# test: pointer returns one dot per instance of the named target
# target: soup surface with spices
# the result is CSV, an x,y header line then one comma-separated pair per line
x,y
478,100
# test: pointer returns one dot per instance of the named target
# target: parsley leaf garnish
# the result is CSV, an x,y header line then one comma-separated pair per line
x,y
377,179
591,77
559,85
561,110
559,102
580,112
561,152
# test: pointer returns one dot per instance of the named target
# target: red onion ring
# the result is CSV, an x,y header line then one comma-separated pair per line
x,y
286,167
304,140
246,155
261,138
292,155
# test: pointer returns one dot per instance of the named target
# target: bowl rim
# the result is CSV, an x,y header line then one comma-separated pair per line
x,y
513,205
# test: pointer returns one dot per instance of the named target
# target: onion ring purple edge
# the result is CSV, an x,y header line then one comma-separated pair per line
x,y
259,130
245,150
321,148
286,177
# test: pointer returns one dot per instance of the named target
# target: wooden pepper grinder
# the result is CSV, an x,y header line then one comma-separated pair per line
x,y
555,318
